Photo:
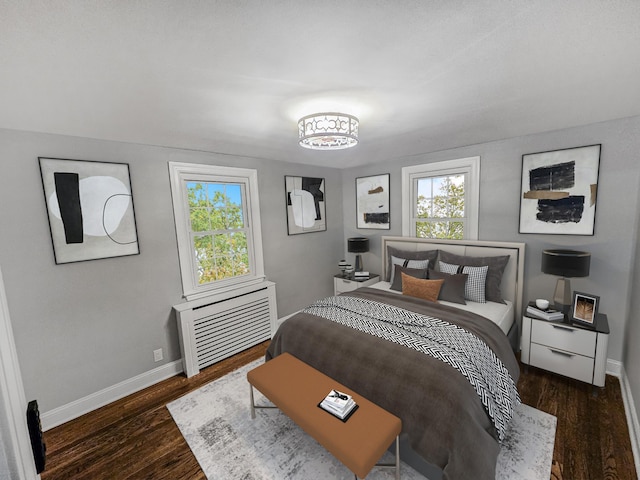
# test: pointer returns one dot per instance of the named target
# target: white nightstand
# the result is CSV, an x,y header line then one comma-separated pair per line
x,y
568,349
348,284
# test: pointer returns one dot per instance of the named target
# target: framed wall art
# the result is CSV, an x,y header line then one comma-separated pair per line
x,y
372,202
559,191
305,201
90,209
584,308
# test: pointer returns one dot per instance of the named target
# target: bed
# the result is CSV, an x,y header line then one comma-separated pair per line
x,y
446,371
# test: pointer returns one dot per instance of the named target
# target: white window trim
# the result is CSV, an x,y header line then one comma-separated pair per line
x,y
14,435
469,166
178,173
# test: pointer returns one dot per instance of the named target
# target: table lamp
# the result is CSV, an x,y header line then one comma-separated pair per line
x,y
358,245
565,264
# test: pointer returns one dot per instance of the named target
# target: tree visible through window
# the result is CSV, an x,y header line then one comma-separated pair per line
x,y
218,231
440,207
441,199
217,215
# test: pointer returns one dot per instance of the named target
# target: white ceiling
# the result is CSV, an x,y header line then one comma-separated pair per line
x,y
233,76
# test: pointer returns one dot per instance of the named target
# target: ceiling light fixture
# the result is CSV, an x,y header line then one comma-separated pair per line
x,y
328,131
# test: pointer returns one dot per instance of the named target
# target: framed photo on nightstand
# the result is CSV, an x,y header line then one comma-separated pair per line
x,y
584,309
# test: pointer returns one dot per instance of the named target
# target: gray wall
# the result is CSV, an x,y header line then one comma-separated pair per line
x,y
613,245
87,326
82,327
631,353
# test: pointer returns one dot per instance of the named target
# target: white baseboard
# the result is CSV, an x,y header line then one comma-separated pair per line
x,y
92,402
87,404
614,368
632,417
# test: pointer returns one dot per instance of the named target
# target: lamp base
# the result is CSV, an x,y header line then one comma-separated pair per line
x,y
562,295
359,265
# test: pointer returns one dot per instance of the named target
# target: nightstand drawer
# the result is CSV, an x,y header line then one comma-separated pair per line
x,y
344,285
562,362
564,337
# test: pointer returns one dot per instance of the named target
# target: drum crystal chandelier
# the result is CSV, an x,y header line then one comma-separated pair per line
x,y
328,131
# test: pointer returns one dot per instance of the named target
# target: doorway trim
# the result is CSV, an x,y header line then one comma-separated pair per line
x,y
13,403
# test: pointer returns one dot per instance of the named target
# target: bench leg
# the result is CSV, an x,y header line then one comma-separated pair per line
x,y
398,457
253,405
395,466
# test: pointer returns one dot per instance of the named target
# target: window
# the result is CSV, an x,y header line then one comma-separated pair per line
x,y
218,227
440,200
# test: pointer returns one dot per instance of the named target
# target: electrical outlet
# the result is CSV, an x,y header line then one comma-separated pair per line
x,y
157,355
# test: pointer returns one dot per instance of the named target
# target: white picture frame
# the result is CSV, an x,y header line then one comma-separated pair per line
x,y
90,209
559,191
372,202
305,201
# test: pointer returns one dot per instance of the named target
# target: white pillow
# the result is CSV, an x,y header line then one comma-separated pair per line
x,y
474,288
403,262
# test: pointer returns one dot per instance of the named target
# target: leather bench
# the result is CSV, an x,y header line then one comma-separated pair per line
x,y
297,388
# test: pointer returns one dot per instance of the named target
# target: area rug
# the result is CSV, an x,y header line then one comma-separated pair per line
x,y
215,421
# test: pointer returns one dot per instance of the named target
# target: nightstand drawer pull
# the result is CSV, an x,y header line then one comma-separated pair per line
x,y
565,354
564,337
566,329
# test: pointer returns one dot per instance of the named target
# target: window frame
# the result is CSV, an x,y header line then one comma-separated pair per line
x,y
182,173
469,166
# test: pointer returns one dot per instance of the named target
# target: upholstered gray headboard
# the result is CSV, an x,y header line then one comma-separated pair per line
x,y
512,279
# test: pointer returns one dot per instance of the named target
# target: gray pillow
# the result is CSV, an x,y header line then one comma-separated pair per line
x,y
453,287
430,255
397,278
496,266
403,262
475,288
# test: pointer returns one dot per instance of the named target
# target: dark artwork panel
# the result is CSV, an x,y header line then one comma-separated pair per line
x,y
376,218
68,193
313,185
564,210
553,177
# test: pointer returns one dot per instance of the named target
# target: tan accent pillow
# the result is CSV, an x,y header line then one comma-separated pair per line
x,y
417,287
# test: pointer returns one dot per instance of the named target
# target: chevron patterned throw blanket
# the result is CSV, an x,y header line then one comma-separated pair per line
x,y
437,338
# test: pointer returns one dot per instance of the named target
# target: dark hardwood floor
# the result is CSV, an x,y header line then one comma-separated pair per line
x,y
592,438
136,438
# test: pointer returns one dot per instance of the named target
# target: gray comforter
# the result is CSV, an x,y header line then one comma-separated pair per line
x,y
442,415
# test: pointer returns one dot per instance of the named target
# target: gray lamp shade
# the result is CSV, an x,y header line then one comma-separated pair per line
x,y
358,245
566,263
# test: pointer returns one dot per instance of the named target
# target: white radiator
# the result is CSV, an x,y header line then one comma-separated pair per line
x,y
221,325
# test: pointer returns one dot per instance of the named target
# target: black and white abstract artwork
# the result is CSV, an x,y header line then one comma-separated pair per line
x,y
90,209
559,191
305,200
372,202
